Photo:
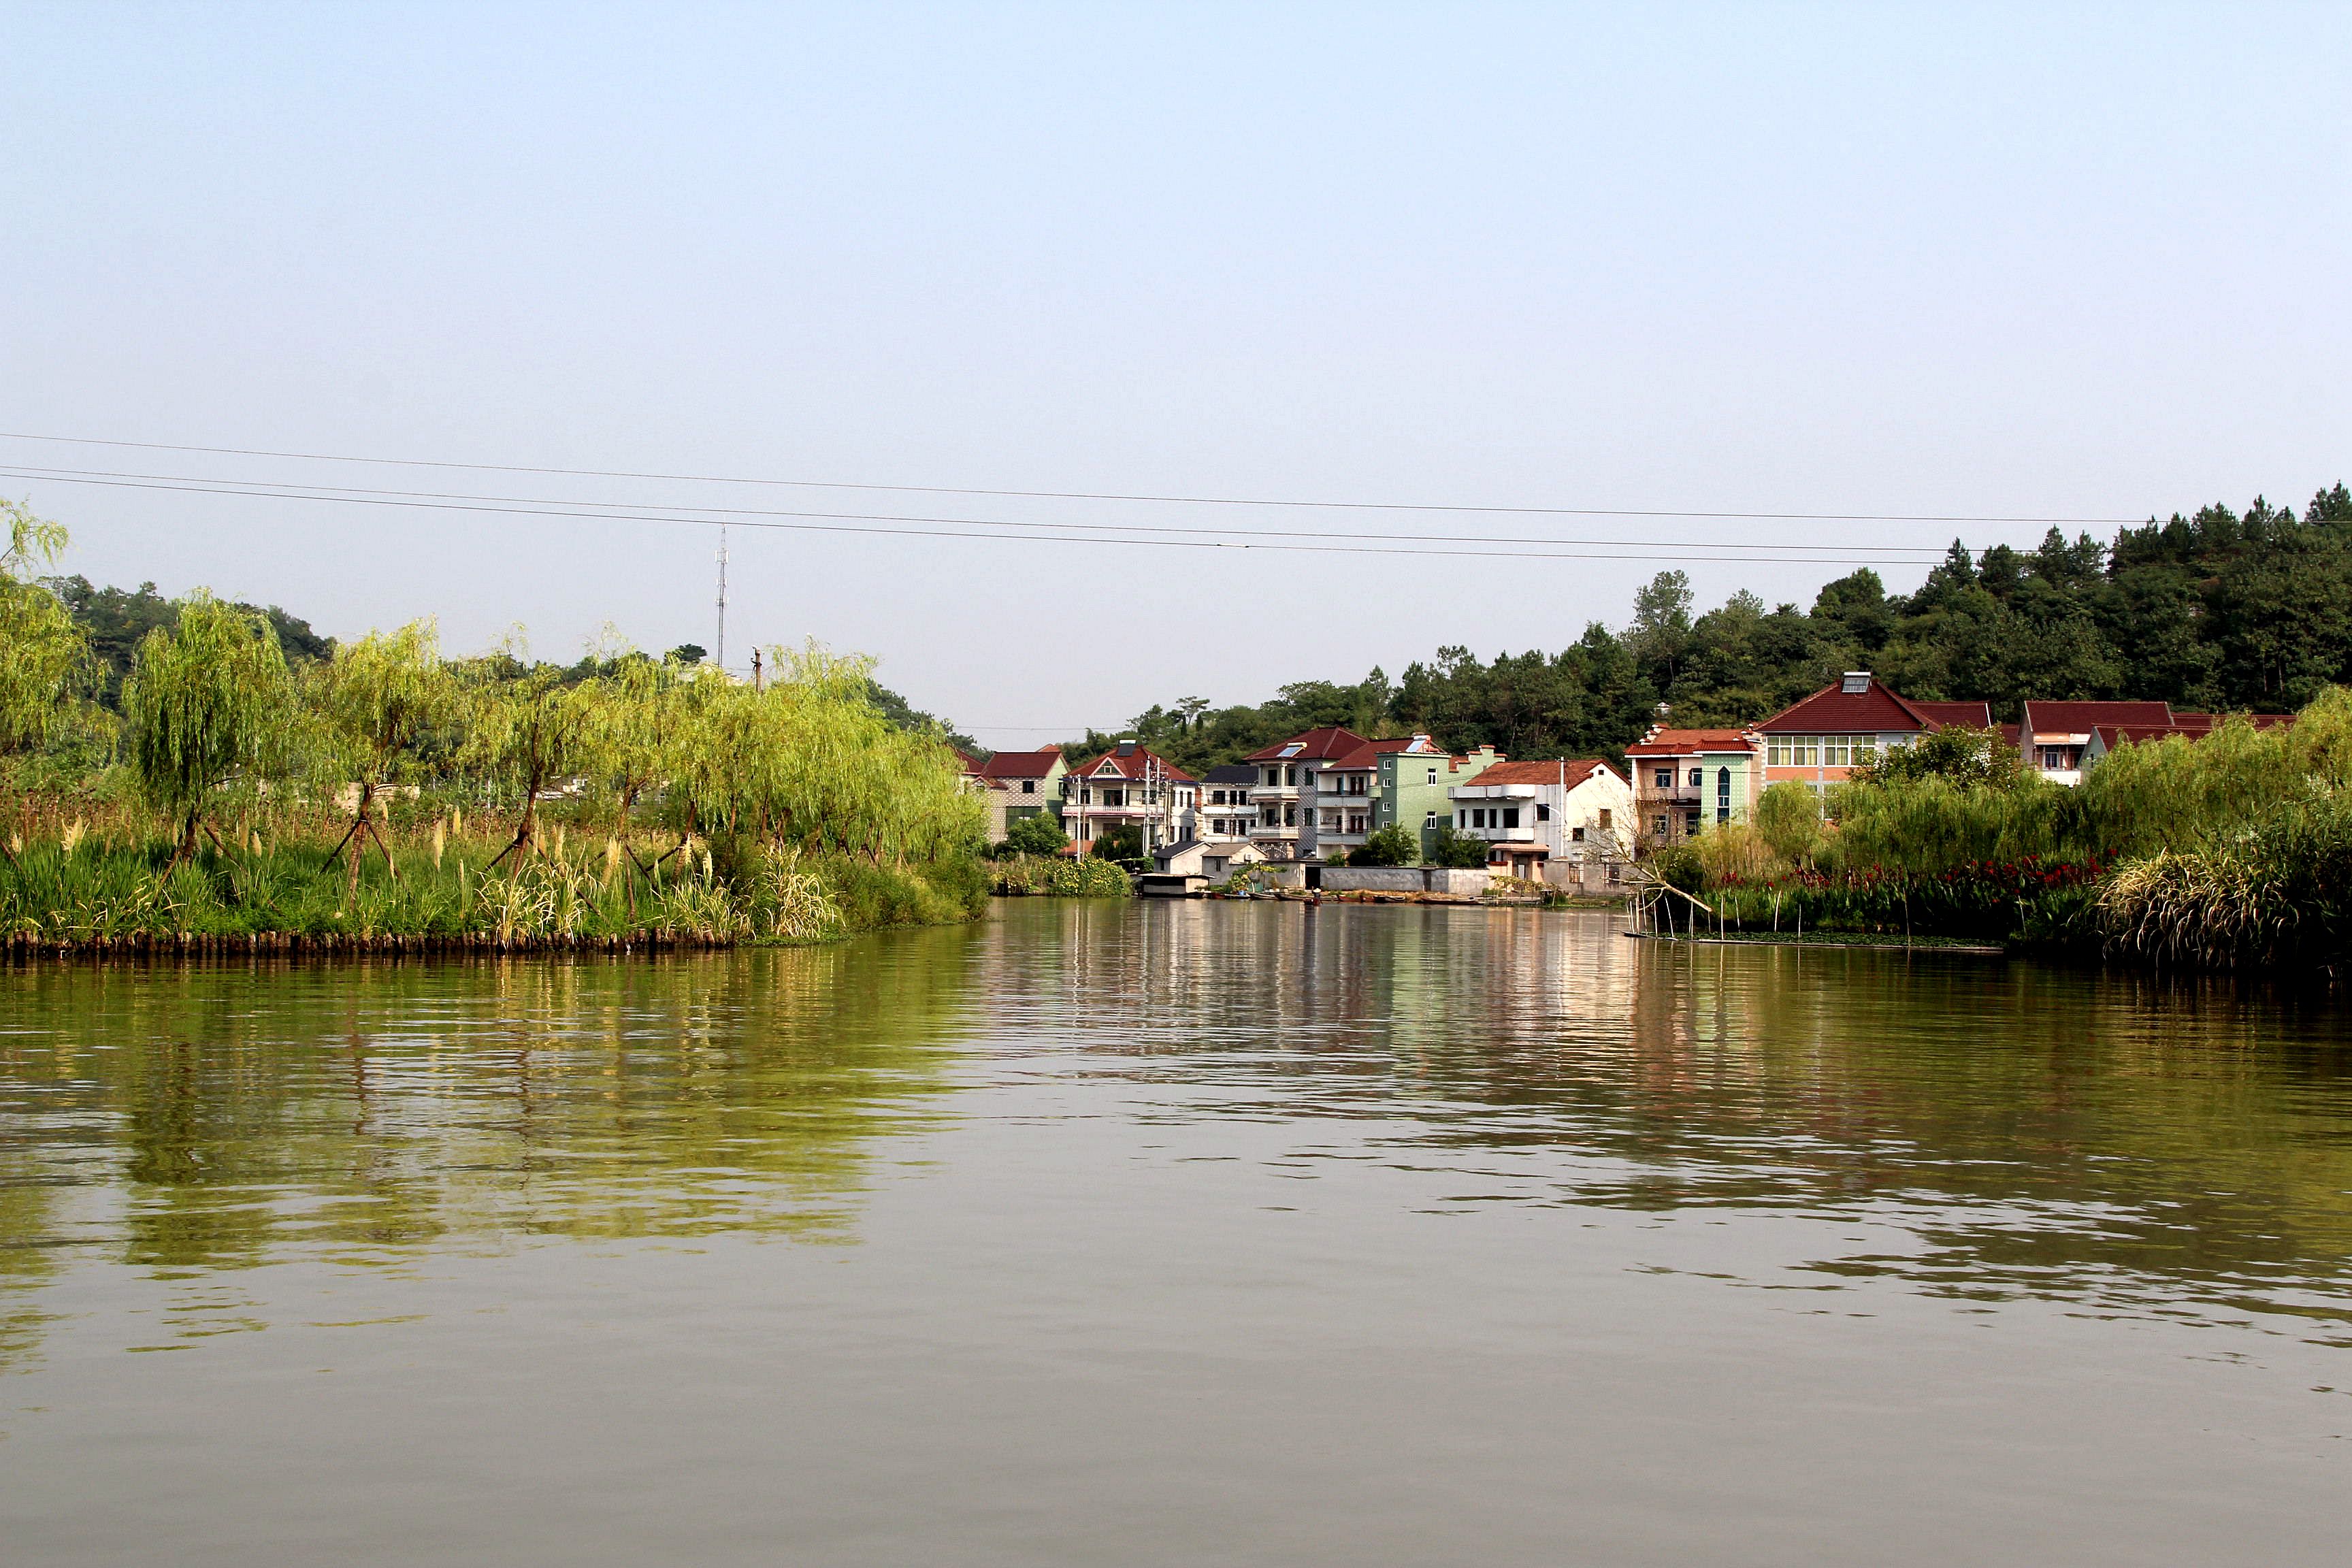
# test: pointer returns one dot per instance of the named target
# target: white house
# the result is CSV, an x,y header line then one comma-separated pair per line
x,y
1564,821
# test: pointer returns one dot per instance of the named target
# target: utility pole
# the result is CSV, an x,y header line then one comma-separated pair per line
x,y
755,668
722,596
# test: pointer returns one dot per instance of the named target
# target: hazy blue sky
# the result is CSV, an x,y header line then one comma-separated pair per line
x,y
2040,259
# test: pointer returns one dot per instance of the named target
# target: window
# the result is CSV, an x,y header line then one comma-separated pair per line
x,y
1576,836
1432,775
1086,796
1723,795
1290,816
1665,778
1614,873
1543,812
1272,777
1430,820
1114,797
1690,822
1510,816
1356,823
1793,752
1028,786
1608,818
1697,777
1836,750
1290,775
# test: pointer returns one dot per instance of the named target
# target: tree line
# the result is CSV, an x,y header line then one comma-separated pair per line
x,y
2215,611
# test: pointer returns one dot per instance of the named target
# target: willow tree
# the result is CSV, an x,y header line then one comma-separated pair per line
x,y
632,723
208,699
40,644
528,729
373,705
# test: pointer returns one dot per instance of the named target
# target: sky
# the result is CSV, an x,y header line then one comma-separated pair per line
x,y
2040,261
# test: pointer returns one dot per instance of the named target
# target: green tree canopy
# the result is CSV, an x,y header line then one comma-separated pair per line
x,y
207,700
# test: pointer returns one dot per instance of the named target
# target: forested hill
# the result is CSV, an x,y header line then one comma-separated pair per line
x,y
116,620
2219,610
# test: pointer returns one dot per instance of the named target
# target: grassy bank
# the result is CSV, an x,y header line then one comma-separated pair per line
x,y
2231,851
255,888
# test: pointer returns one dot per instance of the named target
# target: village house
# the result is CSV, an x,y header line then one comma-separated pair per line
x,y
1016,784
1130,786
2063,740
1286,789
1821,740
1390,782
1561,821
1686,781
1226,811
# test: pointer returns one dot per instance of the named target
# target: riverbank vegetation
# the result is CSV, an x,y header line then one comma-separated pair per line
x,y
2234,851
212,790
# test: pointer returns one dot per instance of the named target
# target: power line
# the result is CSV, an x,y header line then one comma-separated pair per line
x,y
1689,554
1084,495
721,516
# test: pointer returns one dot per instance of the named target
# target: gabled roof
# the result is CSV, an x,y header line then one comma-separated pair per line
x,y
2195,726
1953,715
1369,754
1683,743
2082,718
1572,771
1019,764
1131,763
1834,710
1316,745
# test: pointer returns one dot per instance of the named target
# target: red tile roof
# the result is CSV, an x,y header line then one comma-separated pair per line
x,y
1019,764
1370,753
1953,715
2080,718
1313,746
1573,772
1833,710
1681,742
1133,765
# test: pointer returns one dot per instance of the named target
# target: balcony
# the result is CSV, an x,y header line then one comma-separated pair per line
x,y
1274,792
1501,835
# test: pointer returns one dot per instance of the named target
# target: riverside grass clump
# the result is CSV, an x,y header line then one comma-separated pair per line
x,y
389,795
2231,851
1058,876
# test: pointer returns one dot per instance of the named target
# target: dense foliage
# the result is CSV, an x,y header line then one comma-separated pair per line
x,y
2220,610
625,796
2234,850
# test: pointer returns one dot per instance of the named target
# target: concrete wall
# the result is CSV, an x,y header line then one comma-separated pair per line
x,y
1404,880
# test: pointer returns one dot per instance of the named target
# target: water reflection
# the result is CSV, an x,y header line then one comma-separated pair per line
x,y
190,1121
2137,1146
2004,1129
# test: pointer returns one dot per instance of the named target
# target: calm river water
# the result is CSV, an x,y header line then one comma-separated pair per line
x,y
1181,1234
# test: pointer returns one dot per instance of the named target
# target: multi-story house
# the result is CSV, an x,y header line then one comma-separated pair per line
x,y
1287,787
1017,784
1819,740
1130,786
1561,813
1686,781
1227,810
1388,783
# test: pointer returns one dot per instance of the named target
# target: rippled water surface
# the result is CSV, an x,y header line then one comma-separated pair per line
x,y
1174,1234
